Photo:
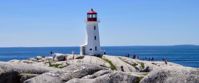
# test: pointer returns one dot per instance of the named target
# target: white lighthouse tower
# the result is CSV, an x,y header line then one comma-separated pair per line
x,y
92,44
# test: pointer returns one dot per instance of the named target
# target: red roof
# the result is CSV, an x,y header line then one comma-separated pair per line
x,y
91,12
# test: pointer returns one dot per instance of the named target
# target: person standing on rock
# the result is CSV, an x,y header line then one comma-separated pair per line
x,y
152,59
134,56
73,53
165,61
128,55
52,54
104,52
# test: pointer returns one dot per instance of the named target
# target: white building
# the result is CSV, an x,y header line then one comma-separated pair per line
x,y
92,44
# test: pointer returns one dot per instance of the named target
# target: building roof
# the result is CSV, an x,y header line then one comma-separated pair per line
x,y
92,12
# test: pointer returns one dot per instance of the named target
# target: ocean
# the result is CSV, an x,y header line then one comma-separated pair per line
x,y
184,55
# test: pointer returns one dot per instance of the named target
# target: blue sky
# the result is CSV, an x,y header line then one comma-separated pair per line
x,y
123,22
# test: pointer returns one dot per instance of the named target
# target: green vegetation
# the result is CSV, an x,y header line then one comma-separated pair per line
x,y
111,64
57,65
134,64
138,79
142,65
146,73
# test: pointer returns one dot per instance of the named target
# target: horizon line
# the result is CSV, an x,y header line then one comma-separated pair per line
x,y
101,46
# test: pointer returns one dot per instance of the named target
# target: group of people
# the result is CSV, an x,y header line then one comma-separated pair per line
x,y
137,57
149,59
133,57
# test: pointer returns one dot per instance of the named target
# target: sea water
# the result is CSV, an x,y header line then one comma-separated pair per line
x,y
184,55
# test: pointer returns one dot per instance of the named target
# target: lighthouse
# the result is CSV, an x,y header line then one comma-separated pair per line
x,y
92,41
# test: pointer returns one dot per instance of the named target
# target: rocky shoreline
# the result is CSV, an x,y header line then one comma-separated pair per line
x,y
68,68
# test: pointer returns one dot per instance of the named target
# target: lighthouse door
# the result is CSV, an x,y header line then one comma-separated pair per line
x,y
83,50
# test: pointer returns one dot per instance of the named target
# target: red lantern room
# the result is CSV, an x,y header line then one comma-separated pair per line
x,y
92,15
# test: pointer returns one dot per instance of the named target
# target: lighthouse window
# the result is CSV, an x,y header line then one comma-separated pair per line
x,y
95,48
94,16
90,16
91,49
94,27
95,38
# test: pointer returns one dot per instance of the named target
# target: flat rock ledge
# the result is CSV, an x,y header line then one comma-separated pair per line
x,y
67,68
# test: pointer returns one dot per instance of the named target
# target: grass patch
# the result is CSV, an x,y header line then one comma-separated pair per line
x,y
111,64
134,64
57,65
142,65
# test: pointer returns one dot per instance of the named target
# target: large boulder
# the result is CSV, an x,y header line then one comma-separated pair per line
x,y
25,76
12,72
60,57
70,72
25,68
97,74
172,75
109,77
49,77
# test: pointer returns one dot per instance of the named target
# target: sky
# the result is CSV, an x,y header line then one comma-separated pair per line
x,y
37,23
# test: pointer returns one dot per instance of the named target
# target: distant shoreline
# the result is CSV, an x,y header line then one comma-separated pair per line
x,y
186,45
